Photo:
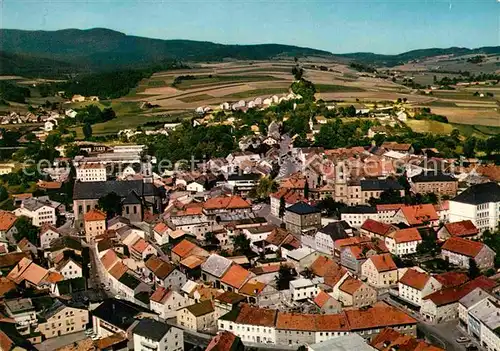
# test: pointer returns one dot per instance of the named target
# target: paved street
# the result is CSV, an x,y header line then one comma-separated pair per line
x,y
60,341
443,334
265,211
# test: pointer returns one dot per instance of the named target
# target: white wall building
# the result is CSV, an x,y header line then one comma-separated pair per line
x,y
480,203
303,289
91,172
152,335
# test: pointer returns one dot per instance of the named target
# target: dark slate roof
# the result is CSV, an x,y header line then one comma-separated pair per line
x,y
132,199
336,230
249,176
201,308
65,242
380,184
70,286
96,190
151,329
433,177
10,330
480,194
359,209
129,280
302,208
119,313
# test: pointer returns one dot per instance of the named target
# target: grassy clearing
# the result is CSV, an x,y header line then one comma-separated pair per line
x,y
256,92
331,88
195,98
156,83
204,81
426,126
459,95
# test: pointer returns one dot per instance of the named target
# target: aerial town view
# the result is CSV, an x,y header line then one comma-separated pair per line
x,y
250,175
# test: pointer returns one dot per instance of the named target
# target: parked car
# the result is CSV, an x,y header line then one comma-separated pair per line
x,y
462,339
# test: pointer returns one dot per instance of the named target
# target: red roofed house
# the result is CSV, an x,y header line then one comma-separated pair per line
x,y
376,229
417,216
326,304
225,341
95,224
7,226
355,293
414,286
442,305
160,233
225,204
166,302
463,229
289,195
141,249
235,277
380,270
460,251
403,241
390,339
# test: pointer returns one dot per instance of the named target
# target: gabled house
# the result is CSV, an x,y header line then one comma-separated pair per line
x,y
353,292
234,278
164,274
403,242
324,239
197,317
463,229
460,251
417,216
375,229
47,234
380,271
214,268
415,285
166,302
69,268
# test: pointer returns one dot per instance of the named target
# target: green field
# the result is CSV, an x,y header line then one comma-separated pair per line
x,y
195,98
206,81
256,92
427,126
331,88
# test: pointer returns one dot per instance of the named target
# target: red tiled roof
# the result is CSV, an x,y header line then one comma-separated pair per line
x,y
383,262
321,299
225,202
183,248
451,295
295,321
236,276
118,270
415,279
351,285
140,245
451,279
256,316
7,220
277,236
94,215
109,259
389,339
223,341
377,227
462,228
332,322
389,207
290,196
160,295
355,240
252,288
463,247
321,265
405,235
419,214
377,316
160,227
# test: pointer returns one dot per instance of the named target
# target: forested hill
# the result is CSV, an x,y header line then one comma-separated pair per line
x,y
99,48
393,60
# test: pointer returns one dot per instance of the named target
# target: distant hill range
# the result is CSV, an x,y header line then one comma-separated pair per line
x,y
46,53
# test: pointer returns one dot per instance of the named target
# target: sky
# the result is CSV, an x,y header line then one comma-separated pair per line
x,y
338,26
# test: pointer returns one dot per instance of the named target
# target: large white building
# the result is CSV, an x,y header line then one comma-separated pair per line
x,y
91,172
152,335
40,211
480,203
303,289
413,286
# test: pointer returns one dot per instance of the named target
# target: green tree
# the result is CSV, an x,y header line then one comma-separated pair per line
x,y
4,195
265,187
241,244
469,147
379,139
87,131
282,207
297,72
474,271
25,229
284,277
110,203
306,189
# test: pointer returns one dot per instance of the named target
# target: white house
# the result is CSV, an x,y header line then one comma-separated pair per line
x,y
480,203
167,302
403,242
40,212
91,172
195,187
50,125
251,324
255,234
70,269
149,334
414,286
303,289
